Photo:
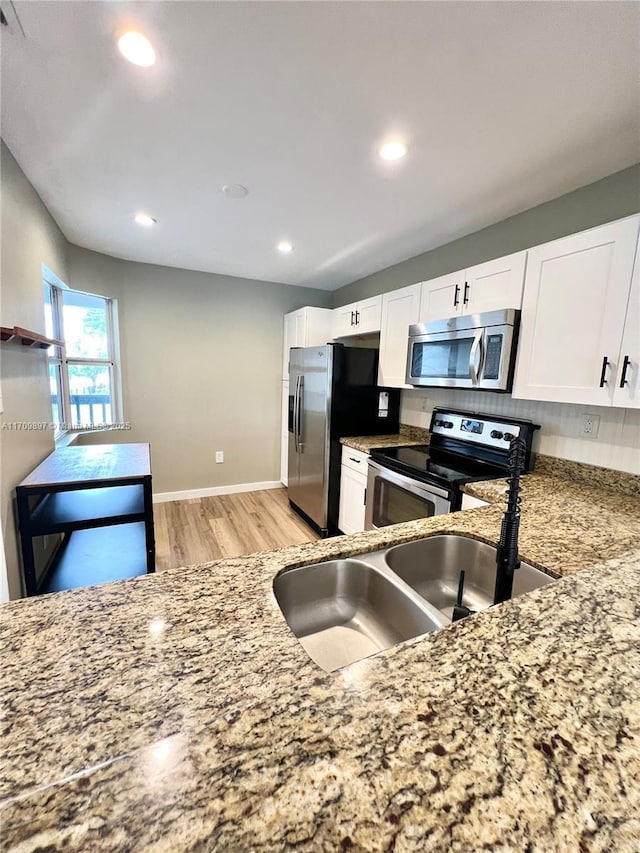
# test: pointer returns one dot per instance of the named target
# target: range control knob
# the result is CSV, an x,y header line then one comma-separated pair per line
x,y
438,423
447,425
508,436
496,433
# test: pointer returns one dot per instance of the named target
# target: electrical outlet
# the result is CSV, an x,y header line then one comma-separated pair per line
x,y
590,426
424,405
219,456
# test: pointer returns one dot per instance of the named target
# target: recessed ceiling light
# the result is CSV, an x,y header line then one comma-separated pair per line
x,y
137,49
285,247
394,150
145,219
235,190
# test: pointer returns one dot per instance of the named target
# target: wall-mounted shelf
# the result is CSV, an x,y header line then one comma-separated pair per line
x,y
28,338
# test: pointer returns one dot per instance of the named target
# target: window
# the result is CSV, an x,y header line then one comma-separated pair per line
x,y
83,375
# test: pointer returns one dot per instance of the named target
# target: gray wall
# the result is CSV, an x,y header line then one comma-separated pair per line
x,y
611,198
202,362
29,238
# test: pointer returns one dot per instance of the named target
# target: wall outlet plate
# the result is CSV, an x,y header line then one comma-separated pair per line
x,y
590,426
219,456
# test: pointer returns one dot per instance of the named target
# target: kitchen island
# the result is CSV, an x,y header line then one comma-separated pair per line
x,y
177,711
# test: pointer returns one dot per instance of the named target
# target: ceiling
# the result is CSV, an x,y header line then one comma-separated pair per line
x,y
503,106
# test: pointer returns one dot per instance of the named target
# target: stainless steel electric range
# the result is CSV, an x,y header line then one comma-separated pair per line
x,y
420,481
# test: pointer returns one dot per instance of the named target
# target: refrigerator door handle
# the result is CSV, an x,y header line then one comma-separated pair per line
x,y
296,411
300,409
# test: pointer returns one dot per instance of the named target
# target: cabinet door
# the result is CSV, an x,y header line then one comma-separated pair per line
x,y
284,433
319,327
399,311
353,487
344,321
495,285
369,315
627,393
573,310
441,297
301,328
290,335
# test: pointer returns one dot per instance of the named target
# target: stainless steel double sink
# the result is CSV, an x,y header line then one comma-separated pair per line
x,y
344,610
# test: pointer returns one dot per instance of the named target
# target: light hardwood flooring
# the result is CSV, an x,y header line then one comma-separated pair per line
x,y
203,529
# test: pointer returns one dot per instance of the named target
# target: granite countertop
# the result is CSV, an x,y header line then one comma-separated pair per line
x,y
177,711
407,435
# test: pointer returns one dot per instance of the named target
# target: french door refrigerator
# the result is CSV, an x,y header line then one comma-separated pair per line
x,y
332,393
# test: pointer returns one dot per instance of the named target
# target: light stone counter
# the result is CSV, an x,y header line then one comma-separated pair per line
x,y
177,712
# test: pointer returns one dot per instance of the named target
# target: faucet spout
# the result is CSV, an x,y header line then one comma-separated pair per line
x,y
507,553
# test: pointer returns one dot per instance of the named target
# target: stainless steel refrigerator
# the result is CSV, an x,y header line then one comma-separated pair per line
x,y
332,393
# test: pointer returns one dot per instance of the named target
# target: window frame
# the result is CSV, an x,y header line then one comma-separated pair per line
x,y
57,356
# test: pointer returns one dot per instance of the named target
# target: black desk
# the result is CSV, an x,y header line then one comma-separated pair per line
x,y
78,492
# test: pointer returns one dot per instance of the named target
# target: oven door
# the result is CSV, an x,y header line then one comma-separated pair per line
x,y
393,498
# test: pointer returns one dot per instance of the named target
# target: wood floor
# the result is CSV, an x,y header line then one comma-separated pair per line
x,y
203,529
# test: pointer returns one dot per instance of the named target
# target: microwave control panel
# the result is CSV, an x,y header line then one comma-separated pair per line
x,y
492,357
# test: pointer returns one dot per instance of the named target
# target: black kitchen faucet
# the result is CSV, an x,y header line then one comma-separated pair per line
x,y
507,559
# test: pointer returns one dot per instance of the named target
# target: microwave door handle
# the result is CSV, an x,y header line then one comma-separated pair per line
x,y
475,357
300,403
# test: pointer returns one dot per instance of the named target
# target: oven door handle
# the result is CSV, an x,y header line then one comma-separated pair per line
x,y
417,487
475,357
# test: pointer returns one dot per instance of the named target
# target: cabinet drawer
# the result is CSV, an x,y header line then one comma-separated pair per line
x,y
355,459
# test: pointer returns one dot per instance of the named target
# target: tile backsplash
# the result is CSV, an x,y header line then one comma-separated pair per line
x,y
617,445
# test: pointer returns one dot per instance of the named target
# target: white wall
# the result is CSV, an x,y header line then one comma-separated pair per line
x,y
617,445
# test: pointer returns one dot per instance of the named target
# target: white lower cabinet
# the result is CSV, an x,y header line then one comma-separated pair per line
x,y
353,490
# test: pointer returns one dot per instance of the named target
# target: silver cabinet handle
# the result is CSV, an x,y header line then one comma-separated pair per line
x,y
475,357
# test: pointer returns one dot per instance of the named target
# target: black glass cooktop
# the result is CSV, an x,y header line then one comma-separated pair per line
x,y
430,465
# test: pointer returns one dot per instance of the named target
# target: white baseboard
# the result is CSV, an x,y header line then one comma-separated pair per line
x,y
162,497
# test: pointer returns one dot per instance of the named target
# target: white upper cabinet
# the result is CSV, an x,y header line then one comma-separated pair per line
x,y
358,318
576,296
441,297
494,285
490,286
400,309
369,315
344,320
627,388
306,327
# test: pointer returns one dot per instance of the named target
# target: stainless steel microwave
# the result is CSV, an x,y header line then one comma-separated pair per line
x,y
477,351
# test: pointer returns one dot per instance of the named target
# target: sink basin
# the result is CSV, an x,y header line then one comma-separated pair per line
x,y
432,567
345,610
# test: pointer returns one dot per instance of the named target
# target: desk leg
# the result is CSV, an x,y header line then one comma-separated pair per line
x,y
26,543
148,526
